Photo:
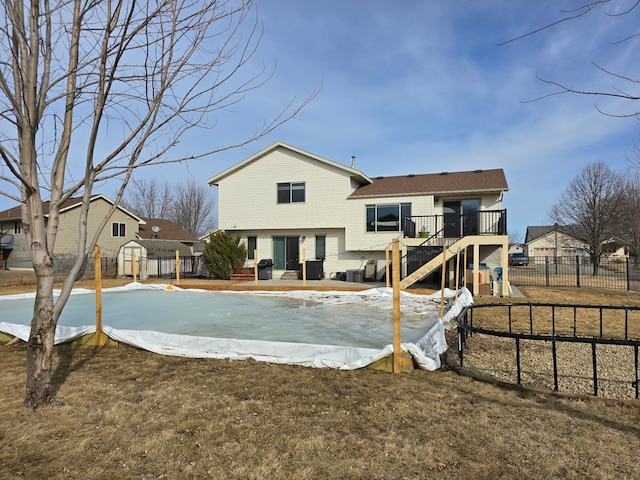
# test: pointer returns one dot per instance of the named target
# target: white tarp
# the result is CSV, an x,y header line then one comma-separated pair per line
x,y
426,352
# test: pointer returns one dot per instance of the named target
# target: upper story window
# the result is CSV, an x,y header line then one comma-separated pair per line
x,y
118,229
17,226
291,192
387,218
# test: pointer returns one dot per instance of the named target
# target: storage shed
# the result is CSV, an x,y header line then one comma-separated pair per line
x,y
154,257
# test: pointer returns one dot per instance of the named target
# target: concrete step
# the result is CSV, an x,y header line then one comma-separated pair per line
x,y
289,275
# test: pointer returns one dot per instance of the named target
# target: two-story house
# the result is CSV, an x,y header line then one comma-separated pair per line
x,y
123,228
289,205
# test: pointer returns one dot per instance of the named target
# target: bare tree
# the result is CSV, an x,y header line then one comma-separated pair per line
x,y
515,237
148,198
188,203
193,208
590,208
630,225
624,86
90,90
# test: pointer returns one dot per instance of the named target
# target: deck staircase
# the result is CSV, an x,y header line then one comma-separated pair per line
x,y
435,262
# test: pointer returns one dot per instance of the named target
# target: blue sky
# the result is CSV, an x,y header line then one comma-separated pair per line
x,y
423,87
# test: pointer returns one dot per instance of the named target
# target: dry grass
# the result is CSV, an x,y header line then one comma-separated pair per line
x,y
585,321
127,413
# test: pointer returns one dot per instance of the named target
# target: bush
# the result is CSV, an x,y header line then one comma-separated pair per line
x,y
222,253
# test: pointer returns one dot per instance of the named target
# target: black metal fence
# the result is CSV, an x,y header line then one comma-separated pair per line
x,y
190,266
161,267
576,271
62,264
577,349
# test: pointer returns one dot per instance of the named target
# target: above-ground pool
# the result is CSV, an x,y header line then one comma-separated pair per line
x,y
335,329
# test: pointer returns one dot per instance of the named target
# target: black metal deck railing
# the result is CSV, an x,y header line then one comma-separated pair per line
x,y
478,222
554,325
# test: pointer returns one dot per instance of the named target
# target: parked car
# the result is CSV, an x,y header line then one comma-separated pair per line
x,y
518,259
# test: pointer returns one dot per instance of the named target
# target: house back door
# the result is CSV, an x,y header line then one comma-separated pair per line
x,y
292,252
470,214
286,253
452,219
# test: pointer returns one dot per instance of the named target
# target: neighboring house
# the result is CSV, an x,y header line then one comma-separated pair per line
x,y
615,249
289,204
553,241
122,228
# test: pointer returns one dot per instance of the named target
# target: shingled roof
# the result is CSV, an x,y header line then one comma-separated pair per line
x,y
475,181
168,230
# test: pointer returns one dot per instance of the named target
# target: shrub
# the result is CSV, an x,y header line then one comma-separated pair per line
x,y
222,253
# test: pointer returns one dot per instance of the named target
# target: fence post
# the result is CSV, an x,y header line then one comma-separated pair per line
x,y
546,270
628,277
578,270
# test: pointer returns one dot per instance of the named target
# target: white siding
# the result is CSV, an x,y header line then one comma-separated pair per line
x,y
248,198
247,201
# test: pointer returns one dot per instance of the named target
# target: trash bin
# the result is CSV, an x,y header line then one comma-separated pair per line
x,y
314,270
497,282
354,276
265,269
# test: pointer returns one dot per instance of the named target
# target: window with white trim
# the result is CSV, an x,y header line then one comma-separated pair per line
x,y
387,217
118,229
291,192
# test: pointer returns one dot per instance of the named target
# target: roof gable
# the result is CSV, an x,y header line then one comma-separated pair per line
x,y
361,177
69,204
475,181
536,232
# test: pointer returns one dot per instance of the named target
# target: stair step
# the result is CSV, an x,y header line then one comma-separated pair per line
x,y
289,275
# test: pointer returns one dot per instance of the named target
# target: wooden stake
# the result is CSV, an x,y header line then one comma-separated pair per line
x,y
444,265
98,275
134,266
177,262
395,261
255,265
386,259
457,272
304,269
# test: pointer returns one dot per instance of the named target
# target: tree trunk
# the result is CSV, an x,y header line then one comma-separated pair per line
x,y
40,346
